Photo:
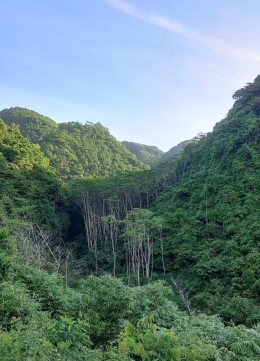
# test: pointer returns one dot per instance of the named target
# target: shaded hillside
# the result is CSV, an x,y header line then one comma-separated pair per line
x,y
152,155
176,150
74,149
147,154
30,191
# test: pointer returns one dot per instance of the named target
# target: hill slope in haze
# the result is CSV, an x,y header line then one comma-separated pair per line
x,y
74,149
174,151
152,155
147,154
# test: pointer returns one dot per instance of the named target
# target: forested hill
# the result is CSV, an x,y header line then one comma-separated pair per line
x,y
211,213
174,151
187,233
74,149
147,154
152,155
202,223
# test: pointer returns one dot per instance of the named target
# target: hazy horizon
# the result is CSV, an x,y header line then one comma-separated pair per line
x,y
152,73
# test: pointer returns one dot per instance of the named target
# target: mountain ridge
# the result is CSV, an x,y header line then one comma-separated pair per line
x,y
152,155
74,149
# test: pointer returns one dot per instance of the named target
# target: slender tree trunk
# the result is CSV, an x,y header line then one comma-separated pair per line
x,y
162,249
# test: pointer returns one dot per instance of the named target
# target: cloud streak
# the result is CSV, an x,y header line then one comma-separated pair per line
x,y
214,44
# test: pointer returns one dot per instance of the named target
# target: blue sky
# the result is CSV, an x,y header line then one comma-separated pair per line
x,y
152,71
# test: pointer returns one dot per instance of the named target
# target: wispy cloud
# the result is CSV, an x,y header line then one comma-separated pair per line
x,y
153,19
217,45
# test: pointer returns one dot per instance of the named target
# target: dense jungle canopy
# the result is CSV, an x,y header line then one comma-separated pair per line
x,y
103,258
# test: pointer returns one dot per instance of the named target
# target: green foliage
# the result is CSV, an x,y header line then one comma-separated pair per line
x,y
194,218
7,268
7,243
151,155
47,290
138,235
42,340
69,331
208,199
59,324
30,191
149,342
193,338
211,213
18,150
74,149
27,344
44,289
157,300
175,151
105,316
147,154
15,303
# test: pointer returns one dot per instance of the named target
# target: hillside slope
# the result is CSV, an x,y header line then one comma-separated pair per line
x,y
152,155
176,150
147,154
30,190
211,213
74,149
203,218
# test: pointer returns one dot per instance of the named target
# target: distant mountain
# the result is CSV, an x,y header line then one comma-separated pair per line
x,y
152,155
147,154
176,150
74,149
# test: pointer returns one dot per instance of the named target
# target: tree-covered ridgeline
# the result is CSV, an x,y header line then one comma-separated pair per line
x,y
147,154
175,151
152,155
74,149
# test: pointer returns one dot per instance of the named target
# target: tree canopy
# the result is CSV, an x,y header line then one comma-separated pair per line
x,y
124,263
74,149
